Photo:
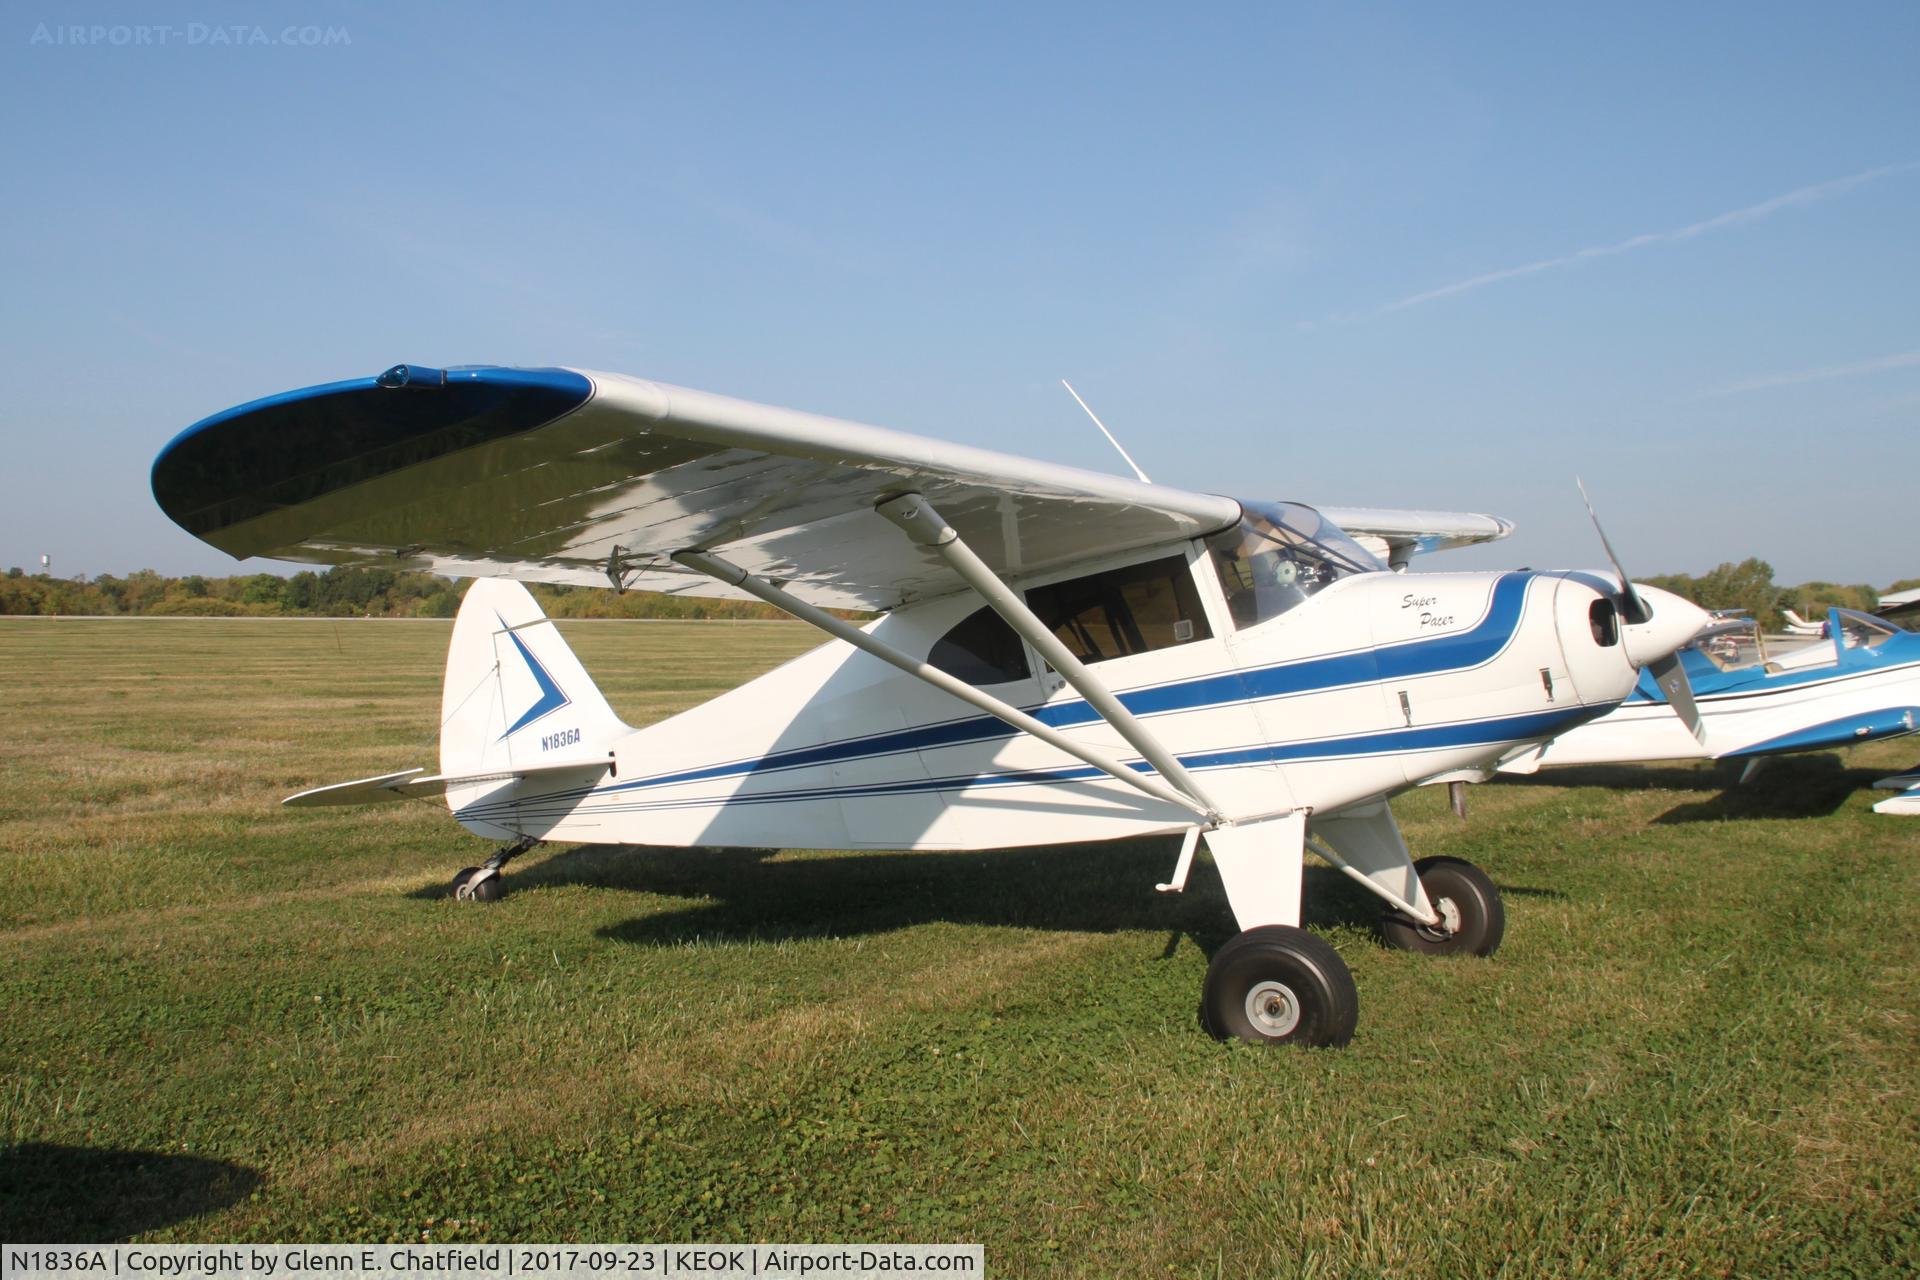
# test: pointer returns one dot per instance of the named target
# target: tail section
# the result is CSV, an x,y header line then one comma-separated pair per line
x,y
515,696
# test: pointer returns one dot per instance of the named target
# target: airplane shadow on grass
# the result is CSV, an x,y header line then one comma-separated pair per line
x,y
1088,888
1788,787
52,1194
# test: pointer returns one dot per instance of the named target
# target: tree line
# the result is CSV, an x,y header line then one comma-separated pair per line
x,y
398,593
1749,585
335,593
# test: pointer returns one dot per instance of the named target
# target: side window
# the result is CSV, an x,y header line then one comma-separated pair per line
x,y
1123,611
980,649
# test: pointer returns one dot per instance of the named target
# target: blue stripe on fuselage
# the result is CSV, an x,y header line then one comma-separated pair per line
x,y
1476,646
1425,656
1503,729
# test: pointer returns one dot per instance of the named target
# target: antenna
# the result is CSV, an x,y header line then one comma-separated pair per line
x,y
1103,431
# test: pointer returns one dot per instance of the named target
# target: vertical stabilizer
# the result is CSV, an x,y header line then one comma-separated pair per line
x,y
515,696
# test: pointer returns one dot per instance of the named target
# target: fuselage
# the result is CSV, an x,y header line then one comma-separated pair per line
x,y
1376,682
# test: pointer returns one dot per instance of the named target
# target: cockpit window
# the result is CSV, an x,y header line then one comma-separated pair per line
x,y
1861,630
980,649
1731,644
1280,555
1135,609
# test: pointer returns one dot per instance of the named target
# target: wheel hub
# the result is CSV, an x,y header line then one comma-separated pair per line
x,y
1273,1009
1449,913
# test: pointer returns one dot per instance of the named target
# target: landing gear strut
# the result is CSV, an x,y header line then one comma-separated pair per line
x,y
485,883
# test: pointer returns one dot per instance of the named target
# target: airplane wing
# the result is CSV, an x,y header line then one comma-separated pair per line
x,y
566,476
1398,536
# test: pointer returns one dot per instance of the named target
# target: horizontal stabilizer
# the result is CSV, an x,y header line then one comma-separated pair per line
x,y
360,791
1907,802
410,783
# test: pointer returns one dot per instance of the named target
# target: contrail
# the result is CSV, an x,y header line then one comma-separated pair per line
x,y
1902,360
1753,212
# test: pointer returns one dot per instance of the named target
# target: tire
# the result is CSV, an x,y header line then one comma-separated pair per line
x,y
1278,985
492,889
460,880
1456,888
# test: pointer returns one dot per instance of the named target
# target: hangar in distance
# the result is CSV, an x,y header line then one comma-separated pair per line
x,y
1062,655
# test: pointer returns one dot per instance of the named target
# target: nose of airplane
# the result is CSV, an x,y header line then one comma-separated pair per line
x,y
1670,623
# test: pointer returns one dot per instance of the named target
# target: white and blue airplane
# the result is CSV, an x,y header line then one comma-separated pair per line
x,y
1062,655
1860,683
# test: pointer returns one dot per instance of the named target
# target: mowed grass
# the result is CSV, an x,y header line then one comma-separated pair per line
x,y
1698,1052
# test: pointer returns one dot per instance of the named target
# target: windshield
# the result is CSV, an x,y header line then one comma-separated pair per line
x,y
1279,555
1731,644
1862,631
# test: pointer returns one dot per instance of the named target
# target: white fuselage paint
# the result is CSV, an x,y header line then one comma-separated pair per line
x,y
1376,683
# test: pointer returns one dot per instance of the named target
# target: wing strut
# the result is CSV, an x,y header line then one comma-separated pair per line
x,y
733,575
923,524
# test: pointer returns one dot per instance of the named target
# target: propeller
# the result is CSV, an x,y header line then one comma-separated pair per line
x,y
1669,673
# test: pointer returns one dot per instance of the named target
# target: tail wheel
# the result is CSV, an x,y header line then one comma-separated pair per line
x,y
1472,919
492,889
467,889
1278,985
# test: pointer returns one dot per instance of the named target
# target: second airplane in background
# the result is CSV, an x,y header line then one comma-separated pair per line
x,y
1860,683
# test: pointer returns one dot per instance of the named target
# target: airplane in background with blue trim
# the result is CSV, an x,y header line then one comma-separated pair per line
x,y
1061,655
1859,683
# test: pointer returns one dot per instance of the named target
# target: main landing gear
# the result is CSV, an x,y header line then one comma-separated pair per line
x,y
1275,984
1279,985
485,883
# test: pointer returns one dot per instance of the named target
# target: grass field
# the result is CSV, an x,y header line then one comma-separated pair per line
x,y
1698,1052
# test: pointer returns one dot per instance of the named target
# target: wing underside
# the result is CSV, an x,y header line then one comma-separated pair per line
x,y
561,476
595,479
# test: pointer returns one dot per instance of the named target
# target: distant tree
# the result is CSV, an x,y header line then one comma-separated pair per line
x,y
443,603
20,594
263,588
1815,598
302,592
144,588
1746,585
339,592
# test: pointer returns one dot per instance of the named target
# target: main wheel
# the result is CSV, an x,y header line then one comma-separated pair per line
x,y
1472,920
1279,985
459,881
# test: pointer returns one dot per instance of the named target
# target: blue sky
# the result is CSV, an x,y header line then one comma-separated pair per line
x,y
1445,256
